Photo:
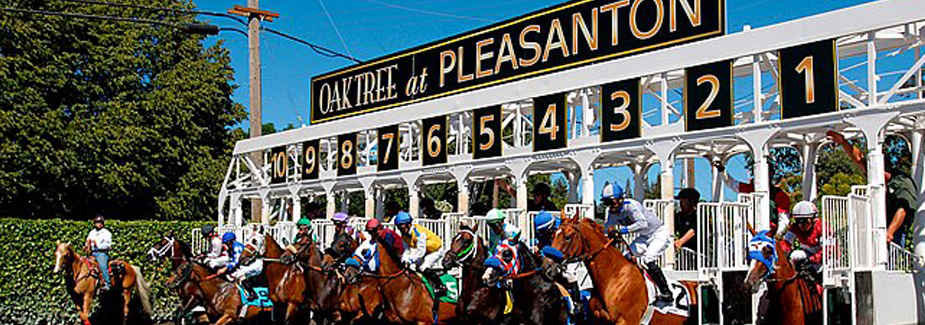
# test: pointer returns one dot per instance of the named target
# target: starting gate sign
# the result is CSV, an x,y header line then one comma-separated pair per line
x,y
486,133
549,122
310,158
279,164
808,75
387,149
347,154
621,110
708,96
434,132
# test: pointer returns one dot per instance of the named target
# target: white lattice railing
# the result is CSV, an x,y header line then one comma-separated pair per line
x,y
685,259
583,210
836,239
900,260
723,235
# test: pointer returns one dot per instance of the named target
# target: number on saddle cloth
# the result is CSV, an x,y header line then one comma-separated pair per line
x,y
449,282
262,300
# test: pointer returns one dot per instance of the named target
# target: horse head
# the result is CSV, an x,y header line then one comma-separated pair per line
x,y
352,273
762,257
64,255
254,249
569,239
341,248
465,249
163,248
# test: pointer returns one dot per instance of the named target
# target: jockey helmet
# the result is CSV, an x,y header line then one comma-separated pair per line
x,y
341,217
229,237
495,216
612,192
804,209
304,222
689,193
372,225
352,262
544,221
207,229
99,218
402,218
553,254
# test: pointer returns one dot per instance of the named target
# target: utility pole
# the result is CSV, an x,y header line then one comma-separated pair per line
x,y
254,16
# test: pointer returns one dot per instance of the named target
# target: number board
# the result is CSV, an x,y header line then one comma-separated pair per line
x,y
387,148
486,133
347,154
434,145
621,110
310,159
708,96
549,127
280,165
808,77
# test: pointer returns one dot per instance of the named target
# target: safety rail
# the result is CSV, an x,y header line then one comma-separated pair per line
x,y
583,210
901,260
861,223
685,259
198,243
836,239
723,235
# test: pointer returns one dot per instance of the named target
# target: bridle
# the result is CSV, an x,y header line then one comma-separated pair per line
x,y
591,254
470,252
156,253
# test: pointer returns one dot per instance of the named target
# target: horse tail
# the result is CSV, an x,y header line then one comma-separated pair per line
x,y
142,287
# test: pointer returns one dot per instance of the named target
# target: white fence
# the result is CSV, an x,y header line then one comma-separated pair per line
x,y
900,259
723,235
836,239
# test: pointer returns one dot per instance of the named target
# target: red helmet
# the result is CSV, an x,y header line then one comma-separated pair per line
x,y
373,224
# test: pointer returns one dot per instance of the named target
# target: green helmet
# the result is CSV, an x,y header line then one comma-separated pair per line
x,y
304,222
495,216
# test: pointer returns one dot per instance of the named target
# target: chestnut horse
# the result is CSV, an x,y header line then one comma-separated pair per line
x,y
177,251
793,300
407,300
221,298
619,295
468,251
80,281
359,300
285,282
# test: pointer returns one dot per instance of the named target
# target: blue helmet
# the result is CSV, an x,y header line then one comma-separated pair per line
x,y
402,218
612,191
544,221
352,262
553,254
229,237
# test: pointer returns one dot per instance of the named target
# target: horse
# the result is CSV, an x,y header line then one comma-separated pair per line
x,y
358,299
473,305
81,281
620,294
221,298
792,298
177,251
538,298
407,300
285,283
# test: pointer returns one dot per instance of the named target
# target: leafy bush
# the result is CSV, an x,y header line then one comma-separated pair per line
x,y
30,293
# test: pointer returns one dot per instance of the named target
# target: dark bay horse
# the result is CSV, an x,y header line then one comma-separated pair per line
x,y
537,298
80,281
178,252
468,251
221,298
407,300
793,299
619,295
359,300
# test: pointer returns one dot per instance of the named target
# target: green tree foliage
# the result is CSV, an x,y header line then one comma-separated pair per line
x,y
125,119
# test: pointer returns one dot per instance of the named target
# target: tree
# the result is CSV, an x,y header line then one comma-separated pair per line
x,y
124,119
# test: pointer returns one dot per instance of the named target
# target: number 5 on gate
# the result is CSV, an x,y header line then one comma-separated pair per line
x,y
487,132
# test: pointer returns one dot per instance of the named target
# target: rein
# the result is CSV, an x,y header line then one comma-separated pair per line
x,y
590,255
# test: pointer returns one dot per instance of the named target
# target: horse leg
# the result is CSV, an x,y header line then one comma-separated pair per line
x,y
127,296
292,312
227,319
85,310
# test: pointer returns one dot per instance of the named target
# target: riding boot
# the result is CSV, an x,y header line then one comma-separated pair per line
x,y
655,272
435,282
249,289
575,294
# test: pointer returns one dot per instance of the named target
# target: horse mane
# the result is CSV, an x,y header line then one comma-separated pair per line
x,y
184,248
530,260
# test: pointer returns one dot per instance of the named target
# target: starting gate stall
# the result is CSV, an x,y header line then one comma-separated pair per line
x,y
491,107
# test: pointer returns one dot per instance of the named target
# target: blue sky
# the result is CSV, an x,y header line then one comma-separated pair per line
x,y
371,28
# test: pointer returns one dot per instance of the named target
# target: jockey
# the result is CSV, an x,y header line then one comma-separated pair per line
x,y
629,216
212,257
545,225
340,221
385,236
305,230
423,249
233,249
99,241
500,230
807,230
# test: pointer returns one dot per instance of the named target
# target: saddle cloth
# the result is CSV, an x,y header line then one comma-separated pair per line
x,y
449,282
679,305
262,300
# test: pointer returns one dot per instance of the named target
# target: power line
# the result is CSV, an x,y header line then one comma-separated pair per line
x,y
187,27
336,31
426,12
173,10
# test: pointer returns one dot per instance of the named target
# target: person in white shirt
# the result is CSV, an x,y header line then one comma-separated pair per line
x,y
629,216
213,257
98,243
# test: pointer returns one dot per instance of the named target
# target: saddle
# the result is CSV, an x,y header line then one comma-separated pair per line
x,y
680,302
94,266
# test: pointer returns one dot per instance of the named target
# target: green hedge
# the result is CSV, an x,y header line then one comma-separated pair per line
x,y
30,293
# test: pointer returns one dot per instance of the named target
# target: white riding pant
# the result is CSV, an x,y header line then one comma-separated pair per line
x,y
248,271
650,248
430,260
218,262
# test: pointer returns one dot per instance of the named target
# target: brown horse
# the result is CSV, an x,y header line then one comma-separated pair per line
x,y
177,251
468,251
81,280
407,300
619,295
358,300
793,300
220,298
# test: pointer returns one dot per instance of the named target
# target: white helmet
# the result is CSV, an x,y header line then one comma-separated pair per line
x,y
804,209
